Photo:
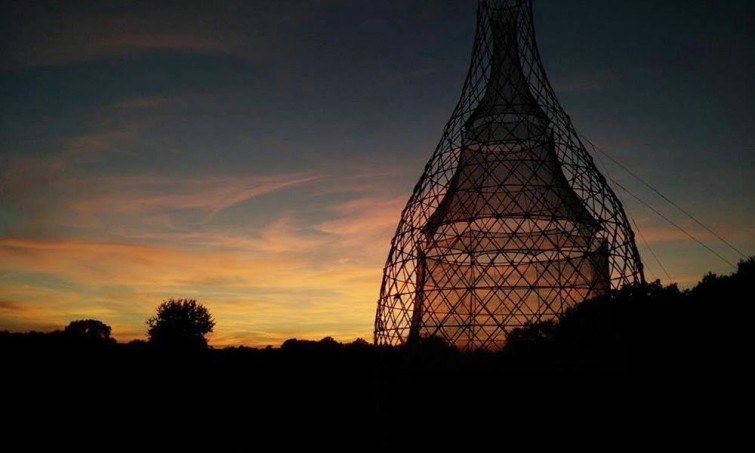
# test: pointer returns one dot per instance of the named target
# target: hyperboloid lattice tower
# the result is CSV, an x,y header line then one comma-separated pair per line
x,y
511,222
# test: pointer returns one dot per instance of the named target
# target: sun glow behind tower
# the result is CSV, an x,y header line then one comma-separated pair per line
x,y
511,222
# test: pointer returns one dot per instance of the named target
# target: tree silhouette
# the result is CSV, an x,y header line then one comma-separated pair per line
x,y
180,323
89,329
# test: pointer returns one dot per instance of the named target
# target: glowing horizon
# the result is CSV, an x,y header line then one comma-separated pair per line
x,y
285,278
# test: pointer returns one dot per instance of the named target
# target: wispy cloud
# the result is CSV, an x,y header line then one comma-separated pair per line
x,y
136,41
238,195
306,272
36,35
11,305
145,194
302,273
74,36
19,170
248,288
33,186
142,102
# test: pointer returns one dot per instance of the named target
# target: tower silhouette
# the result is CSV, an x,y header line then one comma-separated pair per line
x,y
511,222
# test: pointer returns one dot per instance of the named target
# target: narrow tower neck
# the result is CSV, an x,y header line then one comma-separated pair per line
x,y
507,109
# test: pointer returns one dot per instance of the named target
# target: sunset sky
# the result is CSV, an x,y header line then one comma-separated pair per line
x,y
256,155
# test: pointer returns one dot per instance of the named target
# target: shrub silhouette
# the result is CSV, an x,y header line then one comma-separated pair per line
x,y
180,324
88,329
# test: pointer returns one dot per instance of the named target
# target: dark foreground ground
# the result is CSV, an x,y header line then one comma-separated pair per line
x,y
649,366
356,398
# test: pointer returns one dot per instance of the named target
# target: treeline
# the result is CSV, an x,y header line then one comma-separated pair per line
x,y
641,327
649,327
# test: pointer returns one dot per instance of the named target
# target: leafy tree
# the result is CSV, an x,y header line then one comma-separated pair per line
x,y
180,323
90,329
328,343
360,343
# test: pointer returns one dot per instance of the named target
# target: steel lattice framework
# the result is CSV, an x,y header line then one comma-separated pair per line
x,y
511,222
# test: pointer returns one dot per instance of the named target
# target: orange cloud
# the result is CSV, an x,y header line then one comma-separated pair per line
x,y
659,234
305,270
263,287
11,305
655,230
